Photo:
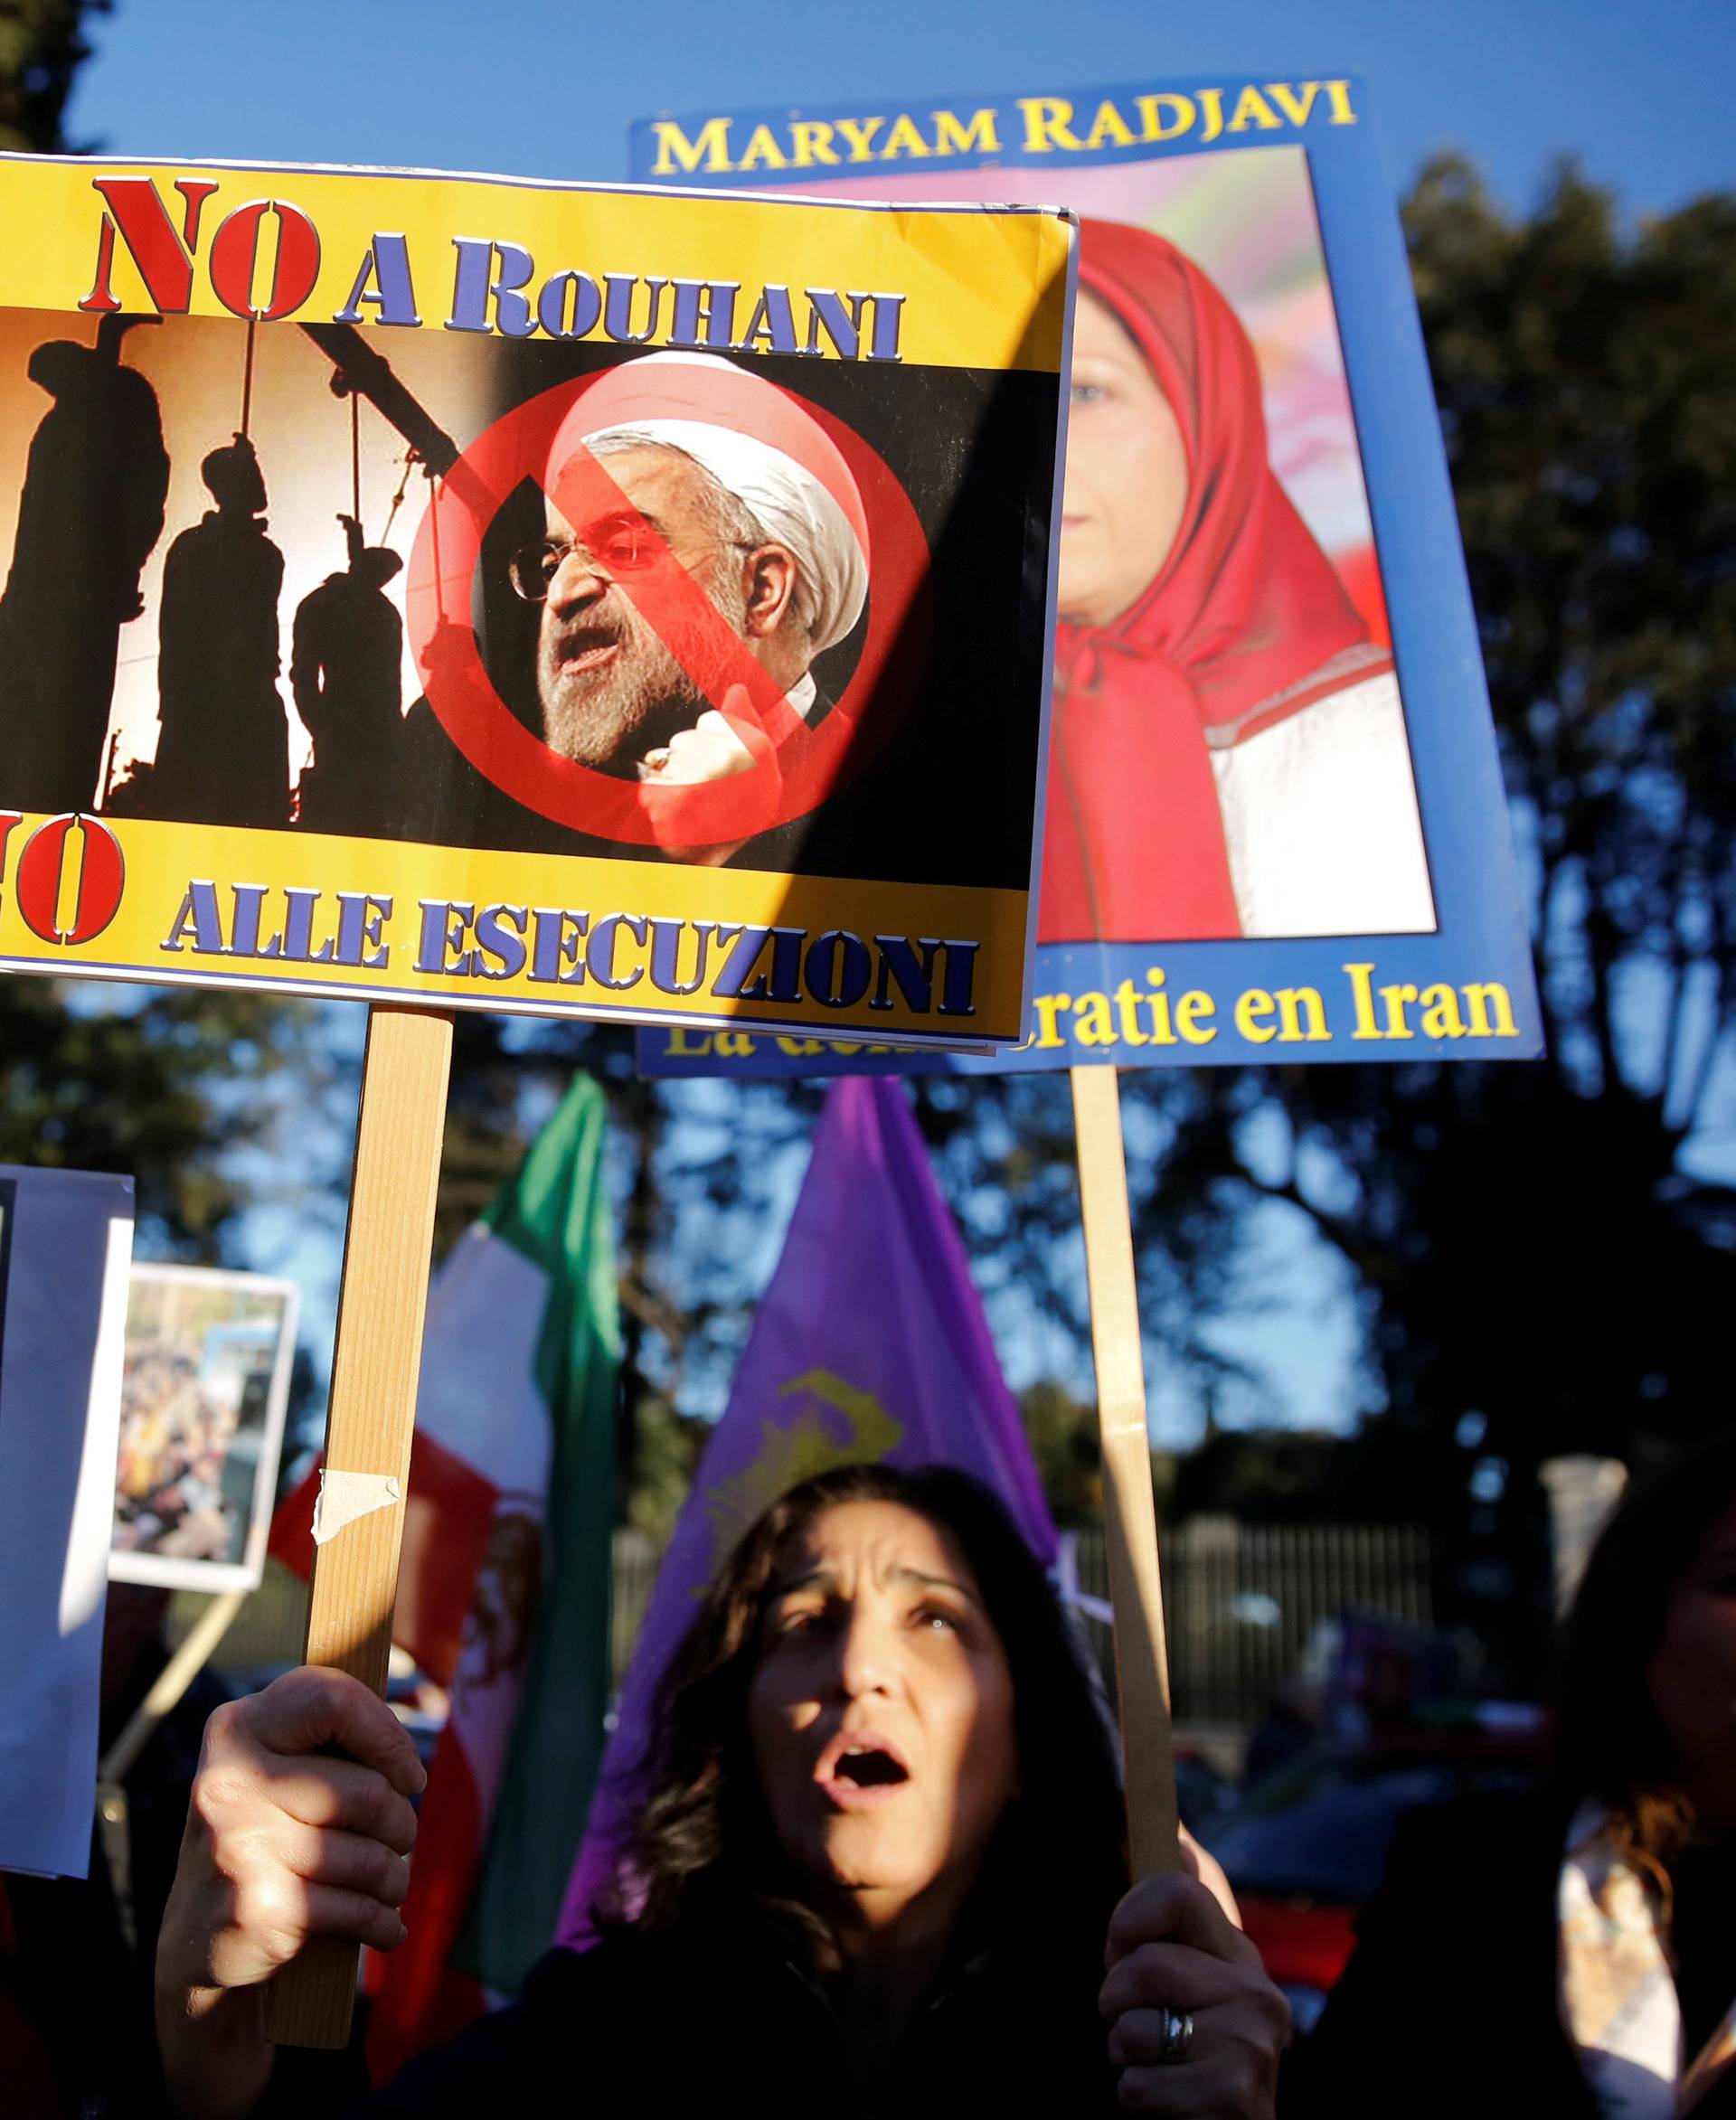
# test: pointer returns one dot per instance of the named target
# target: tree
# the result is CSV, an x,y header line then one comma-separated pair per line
x,y
1548,1246
172,1085
41,48
1063,1437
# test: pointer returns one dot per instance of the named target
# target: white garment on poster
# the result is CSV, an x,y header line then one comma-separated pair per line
x,y
1320,820
66,1243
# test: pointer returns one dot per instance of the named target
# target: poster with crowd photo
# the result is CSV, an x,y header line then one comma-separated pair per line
x,y
1275,820
537,598
204,1386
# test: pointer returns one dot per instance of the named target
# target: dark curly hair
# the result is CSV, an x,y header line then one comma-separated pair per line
x,y
1610,1740
705,1846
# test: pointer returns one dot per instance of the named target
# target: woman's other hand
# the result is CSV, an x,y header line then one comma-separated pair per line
x,y
1174,1953
284,1842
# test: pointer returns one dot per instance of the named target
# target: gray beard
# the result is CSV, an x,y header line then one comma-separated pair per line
x,y
610,720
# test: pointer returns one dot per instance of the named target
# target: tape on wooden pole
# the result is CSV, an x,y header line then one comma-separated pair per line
x,y
361,1517
1129,1511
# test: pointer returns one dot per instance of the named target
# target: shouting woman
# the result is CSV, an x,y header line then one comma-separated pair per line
x,y
882,1871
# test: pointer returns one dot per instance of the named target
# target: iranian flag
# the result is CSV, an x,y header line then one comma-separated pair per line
x,y
504,1585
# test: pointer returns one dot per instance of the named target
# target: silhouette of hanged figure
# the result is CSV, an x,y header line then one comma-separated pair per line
x,y
345,667
223,754
90,512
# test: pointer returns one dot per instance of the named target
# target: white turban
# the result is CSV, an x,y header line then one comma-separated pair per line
x,y
786,499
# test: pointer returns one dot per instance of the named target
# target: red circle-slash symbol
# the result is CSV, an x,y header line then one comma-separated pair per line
x,y
795,766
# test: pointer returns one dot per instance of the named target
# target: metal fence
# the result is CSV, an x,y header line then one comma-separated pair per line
x,y
1242,1602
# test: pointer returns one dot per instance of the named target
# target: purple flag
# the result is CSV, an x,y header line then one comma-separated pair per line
x,y
870,1347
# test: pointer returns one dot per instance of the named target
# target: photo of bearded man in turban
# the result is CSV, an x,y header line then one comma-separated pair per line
x,y
780,559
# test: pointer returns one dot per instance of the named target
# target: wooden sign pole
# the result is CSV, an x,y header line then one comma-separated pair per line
x,y
374,1374
1130,1515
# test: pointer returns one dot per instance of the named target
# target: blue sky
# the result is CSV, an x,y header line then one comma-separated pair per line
x,y
1638,94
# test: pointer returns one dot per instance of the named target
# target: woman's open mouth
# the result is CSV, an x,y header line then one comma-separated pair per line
x,y
858,1769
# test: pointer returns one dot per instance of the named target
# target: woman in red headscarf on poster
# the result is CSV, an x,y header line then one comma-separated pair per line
x,y
1229,755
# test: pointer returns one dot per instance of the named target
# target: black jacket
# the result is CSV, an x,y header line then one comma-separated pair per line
x,y
686,2024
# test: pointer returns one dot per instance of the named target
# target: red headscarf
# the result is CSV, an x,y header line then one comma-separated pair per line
x,y
1244,624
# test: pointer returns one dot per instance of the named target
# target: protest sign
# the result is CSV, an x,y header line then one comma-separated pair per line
x,y
525,597
66,1240
204,1389
707,541
1275,828
1275,825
